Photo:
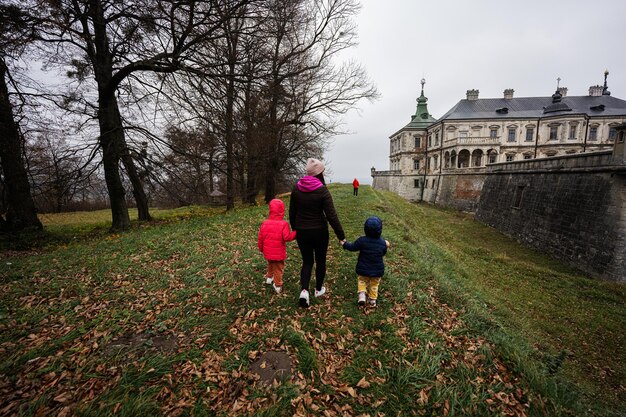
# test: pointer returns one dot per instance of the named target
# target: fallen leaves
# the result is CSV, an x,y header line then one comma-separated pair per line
x,y
112,331
363,383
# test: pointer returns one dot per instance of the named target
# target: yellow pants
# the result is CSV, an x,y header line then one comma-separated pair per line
x,y
369,284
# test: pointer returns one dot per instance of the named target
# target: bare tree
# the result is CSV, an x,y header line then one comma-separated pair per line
x,y
277,95
59,173
304,37
118,39
186,174
16,31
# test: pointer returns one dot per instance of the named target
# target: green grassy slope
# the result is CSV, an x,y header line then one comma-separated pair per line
x,y
167,319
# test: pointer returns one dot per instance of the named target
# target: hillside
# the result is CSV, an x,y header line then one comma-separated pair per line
x,y
173,318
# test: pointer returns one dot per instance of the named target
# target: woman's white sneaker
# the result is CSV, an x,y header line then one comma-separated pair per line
x,y
320,292
269,280
304,299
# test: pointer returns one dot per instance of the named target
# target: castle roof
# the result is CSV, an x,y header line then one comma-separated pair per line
x,y
535,107
421,119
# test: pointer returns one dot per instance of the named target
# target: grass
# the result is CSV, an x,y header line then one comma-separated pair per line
x,y
166,318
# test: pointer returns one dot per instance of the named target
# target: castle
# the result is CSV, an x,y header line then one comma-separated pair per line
x,y
477,132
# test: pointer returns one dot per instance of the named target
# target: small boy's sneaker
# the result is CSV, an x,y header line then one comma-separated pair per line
x,y
269,280
361,298
320,292
372,303
277,289
304,299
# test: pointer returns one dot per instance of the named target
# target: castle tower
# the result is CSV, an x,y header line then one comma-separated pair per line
x,y
421,118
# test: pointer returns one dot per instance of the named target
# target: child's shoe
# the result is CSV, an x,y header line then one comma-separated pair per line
x,y
304,299
269,280
372,303
277,289
361,298
320,292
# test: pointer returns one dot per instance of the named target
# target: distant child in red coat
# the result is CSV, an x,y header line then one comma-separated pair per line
x,y
273,237
355,185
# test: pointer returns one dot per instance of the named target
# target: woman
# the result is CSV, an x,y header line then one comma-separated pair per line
x,y
310,210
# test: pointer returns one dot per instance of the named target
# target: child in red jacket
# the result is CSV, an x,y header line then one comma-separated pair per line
x,y
273,236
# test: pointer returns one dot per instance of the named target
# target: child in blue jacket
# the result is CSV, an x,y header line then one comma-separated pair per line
x,y
370,266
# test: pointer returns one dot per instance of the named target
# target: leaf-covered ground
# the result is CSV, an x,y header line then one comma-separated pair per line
x,y
168,319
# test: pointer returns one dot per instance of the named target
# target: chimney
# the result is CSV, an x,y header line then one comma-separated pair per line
x,y
595,90
563,91
472,95
508,93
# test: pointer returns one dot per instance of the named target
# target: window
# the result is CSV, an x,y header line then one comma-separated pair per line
x,y
493,133
612,134
493,157
528,156
530,133
433,184
418,142
416,183
430,140
511,137
517,198
426,184
593,133
572,132
462,134
553,132
436,138
509,157
416,164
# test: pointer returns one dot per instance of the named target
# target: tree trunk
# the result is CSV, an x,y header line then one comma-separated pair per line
x,y
230,99
21,212
271,165
138,192
252,182
111,133
251,164
111,140
270,179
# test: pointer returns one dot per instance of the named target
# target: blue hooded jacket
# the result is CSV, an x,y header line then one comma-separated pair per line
x,y
371,247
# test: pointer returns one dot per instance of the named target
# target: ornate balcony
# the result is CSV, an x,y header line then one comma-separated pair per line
x,y
473,140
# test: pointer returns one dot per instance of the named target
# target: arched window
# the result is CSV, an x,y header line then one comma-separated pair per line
x,y
464,158
477,158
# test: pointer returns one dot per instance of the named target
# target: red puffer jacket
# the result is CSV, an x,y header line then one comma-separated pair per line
x,y
275,232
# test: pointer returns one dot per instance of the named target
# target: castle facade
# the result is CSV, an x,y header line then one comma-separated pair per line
x,y
477,132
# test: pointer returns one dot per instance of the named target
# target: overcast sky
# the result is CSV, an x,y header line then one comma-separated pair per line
x,y
463,44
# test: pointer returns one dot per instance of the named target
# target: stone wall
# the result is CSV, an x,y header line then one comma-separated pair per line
x,y
572,207
457,190
460,190
395,181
